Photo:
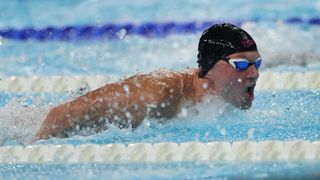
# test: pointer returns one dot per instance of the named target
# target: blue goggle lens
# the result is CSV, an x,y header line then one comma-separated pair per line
x,y
242,65
258,63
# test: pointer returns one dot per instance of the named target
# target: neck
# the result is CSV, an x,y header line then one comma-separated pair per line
x,y
188,88
201,87
195,88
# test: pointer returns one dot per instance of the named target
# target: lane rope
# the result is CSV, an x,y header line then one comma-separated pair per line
x,y
163,152
60,84
118,31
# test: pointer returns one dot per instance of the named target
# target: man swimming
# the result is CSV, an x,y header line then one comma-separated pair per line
x,y
228,62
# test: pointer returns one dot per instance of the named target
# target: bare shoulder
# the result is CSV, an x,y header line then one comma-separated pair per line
x,y
161,79
162,83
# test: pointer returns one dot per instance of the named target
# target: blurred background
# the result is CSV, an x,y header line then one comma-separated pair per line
x,y
287,33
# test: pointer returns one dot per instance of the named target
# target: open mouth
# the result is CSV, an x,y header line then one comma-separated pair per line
x,y
250,91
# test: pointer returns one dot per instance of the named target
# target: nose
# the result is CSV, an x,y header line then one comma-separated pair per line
x,y
252,73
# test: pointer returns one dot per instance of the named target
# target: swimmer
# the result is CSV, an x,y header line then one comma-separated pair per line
x,y
228,63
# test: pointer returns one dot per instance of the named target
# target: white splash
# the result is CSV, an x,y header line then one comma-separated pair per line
x,y
20,122
210,109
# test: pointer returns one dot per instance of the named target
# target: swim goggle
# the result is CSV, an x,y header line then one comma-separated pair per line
x,y
242,64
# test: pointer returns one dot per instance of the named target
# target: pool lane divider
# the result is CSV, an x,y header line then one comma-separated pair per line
x,y
118,31
163,152
61,84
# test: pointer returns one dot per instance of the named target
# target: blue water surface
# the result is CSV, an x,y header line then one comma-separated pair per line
x,y
181,170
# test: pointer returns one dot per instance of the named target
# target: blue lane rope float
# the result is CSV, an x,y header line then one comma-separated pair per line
x,y
111,31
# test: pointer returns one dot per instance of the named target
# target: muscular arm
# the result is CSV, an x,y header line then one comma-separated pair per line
x,y
112,101
124,102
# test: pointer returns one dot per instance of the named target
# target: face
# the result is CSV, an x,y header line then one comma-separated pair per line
x,y
236,87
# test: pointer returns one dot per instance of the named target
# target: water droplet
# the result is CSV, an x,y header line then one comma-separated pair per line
x,y
128,114
98,21
1,40
71,54
138,85
223,131
86,117
126,87
197,136
206,135
115,105
184,112
205,85
175,45
240,80
122,33
251,132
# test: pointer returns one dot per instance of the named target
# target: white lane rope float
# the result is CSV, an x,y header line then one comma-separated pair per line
x,y
60,84
163,152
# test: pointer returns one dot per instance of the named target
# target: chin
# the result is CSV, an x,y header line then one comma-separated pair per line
x,y
241,103
244,105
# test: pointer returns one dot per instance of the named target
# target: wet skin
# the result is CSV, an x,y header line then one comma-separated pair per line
x,y
160,95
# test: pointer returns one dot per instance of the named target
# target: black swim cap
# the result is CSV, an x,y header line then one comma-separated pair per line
x,y
219,41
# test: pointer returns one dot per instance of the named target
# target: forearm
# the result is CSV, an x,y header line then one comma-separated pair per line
x,y
59,119
82,114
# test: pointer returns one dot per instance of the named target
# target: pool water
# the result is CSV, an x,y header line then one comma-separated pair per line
x,y
275,114
181,170
278,115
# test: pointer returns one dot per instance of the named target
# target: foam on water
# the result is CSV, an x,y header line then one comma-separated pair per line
x,y
22,115
20,121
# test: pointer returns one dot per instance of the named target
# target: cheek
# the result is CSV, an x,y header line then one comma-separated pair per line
x,y
236,85
234,81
